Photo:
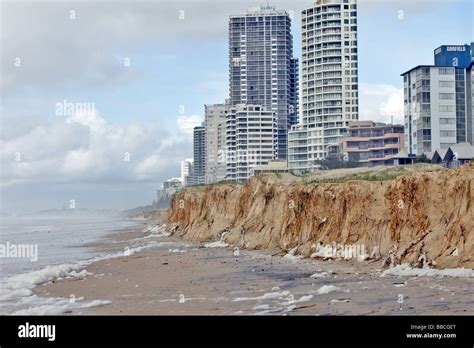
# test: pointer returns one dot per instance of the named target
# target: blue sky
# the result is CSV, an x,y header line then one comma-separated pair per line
x,y
173,62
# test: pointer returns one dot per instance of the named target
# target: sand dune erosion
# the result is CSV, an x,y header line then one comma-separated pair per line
x,y
422,218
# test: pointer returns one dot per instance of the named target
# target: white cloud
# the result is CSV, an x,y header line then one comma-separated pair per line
x,y
379,102
58,52
186,124
150,165
88,148
77,162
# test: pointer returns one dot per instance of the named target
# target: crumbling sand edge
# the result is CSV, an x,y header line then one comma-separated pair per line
x,y
420,218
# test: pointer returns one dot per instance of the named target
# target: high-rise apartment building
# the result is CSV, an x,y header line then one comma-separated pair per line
x,y
215,123
262,68
187,172
251,134
199,149
439,101
329,82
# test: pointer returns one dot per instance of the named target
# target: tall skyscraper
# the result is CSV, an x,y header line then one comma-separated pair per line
x,y
215,123
199,147
262,68
187,172
251,134
438,99
329,86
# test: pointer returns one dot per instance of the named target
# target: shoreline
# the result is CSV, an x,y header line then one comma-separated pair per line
x,y
178,277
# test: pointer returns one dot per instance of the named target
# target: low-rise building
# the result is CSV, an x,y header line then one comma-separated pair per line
x,y
298,149
187,170
278,166
454,156
166,190
403,158
372,143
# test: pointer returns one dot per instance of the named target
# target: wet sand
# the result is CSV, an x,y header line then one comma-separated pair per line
x,y
176,277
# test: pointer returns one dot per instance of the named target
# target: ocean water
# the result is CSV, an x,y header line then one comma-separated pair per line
x,y
47,247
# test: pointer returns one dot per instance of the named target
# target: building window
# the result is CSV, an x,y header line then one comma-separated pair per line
x,y
447,133
447,121
446,71
446,83
446,96
447,108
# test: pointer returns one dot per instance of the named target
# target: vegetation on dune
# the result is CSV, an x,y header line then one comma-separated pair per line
x,y
387,173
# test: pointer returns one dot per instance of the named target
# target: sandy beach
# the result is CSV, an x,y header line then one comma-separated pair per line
x,y
175,277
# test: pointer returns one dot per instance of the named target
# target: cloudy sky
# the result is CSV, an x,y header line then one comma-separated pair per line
x,y
98,98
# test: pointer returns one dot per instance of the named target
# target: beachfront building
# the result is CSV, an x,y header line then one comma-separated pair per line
x,y
262,68
372,143
329,82
215,121
187,172
251,139
439,99
277,166
166,191
199,150
454,156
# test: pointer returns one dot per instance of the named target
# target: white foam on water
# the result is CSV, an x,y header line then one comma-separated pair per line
x,y
291,255
285,302
177,251
217,244
262,307
278,309
266,296
49,273
319,275
274,295
60,306
326,289
13,294
283,309
157,231
304,298
405,270
16,290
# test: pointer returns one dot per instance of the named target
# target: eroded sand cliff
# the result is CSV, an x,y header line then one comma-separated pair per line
x,y
417,218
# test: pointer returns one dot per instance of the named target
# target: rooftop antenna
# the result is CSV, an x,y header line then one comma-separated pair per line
x,y
392,119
